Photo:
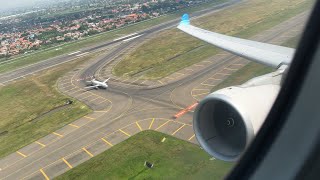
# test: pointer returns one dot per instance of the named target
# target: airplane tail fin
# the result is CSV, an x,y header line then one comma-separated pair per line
x,y
106,80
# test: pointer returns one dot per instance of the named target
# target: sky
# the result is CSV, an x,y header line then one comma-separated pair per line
x,y
8,4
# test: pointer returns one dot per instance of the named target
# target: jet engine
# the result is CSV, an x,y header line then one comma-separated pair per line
x,y
226,121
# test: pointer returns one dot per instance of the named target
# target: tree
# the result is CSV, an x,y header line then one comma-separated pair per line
x,y
145,9
83,27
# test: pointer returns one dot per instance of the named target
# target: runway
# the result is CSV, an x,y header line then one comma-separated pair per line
x,y
126,109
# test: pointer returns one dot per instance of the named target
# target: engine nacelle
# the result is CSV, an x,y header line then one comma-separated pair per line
x,y
226,121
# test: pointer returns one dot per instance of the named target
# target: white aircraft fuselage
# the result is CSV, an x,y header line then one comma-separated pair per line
x,y
98,84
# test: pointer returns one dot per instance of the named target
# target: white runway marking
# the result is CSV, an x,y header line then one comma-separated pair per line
x,y
74,53
82,54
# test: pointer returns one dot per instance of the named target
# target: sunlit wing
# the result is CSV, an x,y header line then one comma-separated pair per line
x,y
268,54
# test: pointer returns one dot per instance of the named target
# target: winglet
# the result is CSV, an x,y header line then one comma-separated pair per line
x,y
185,20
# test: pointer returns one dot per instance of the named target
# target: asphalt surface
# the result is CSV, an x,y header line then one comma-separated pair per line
x,y
124,110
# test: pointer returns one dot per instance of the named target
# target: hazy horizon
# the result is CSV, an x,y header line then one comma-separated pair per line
x,y
11,4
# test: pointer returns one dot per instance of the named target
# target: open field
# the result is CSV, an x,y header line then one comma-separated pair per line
x,y
173,159
37,56
252,70
33,107
175,50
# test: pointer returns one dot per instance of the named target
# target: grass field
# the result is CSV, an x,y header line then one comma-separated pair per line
x,y
37,56
173,159
175,50
23,105
252,69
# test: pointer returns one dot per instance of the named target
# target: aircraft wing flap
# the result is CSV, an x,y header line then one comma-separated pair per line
x,y
271,55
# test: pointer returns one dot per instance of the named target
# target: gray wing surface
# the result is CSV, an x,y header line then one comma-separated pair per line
x,y
268,54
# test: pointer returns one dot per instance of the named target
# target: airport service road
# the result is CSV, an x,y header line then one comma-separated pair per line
x,y
123,111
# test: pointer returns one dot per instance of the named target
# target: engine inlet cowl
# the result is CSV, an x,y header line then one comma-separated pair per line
x,y
226,121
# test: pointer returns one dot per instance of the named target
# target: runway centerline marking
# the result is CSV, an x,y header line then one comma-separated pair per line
x,y
191,137
101,111
89,117
162,125
74,53
107,142
103,100
200,94
89,153
214,79
40,143
178,130
201,90
84,97
23,155
225,74
44,174
230,69
199,65
208,84
69,90
151,123
138,125
76,91
82,54
67,163
237,64
124,132
57,134
160,82
83,93
73,125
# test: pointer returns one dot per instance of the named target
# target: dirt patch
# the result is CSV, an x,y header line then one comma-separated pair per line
x,y
61,107
4,133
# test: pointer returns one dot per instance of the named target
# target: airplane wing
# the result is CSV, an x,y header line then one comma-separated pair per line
x,y
92,86
268,54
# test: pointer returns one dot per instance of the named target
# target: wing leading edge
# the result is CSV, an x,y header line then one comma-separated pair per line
x,y
268,54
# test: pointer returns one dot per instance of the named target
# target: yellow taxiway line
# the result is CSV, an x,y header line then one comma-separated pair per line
x,y
124,132
23,155
67,163
89,153
44,174
106,142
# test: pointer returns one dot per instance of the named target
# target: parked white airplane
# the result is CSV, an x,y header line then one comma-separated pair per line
x,y
227,120
98,84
